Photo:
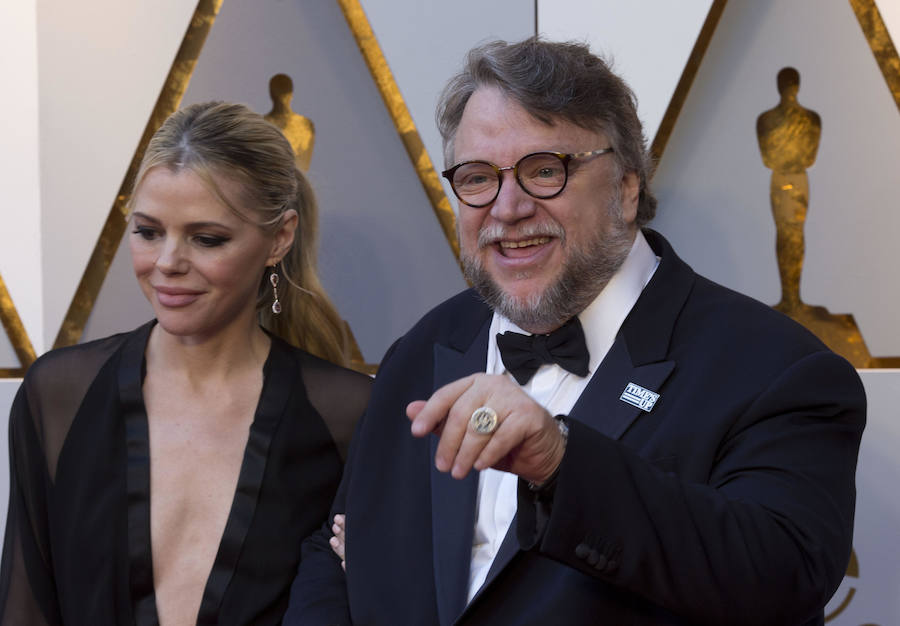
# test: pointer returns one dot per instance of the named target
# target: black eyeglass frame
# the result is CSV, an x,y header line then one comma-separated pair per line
x,y
563,157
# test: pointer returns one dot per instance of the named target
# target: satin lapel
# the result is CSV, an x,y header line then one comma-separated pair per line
x,y
640,353
453,501
599,405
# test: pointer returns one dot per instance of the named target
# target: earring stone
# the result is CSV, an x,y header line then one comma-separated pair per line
x,y
273,279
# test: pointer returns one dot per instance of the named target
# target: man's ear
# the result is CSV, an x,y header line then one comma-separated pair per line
x,y
631,193
284,236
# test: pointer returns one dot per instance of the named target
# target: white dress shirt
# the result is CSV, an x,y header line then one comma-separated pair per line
x,y
556,390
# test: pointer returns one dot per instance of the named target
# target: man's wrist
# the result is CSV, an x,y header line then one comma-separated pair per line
x,y
546,486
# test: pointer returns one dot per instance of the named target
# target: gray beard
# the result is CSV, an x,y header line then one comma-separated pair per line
x,y
586,272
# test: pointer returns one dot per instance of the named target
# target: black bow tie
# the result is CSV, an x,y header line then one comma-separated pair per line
x,y
524,354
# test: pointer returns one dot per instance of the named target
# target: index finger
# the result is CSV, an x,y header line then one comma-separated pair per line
x,y
435,410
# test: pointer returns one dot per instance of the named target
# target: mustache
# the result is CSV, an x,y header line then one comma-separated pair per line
x,y
490,235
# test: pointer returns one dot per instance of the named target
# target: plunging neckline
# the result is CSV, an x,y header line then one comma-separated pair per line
x,y
269,409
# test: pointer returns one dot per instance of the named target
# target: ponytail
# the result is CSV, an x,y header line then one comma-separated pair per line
x,y
308,319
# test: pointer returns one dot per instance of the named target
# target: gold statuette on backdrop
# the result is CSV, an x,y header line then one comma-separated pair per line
x,y
788,137
788,140
299,130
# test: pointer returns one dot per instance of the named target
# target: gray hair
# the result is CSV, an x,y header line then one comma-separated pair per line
x,y
555,81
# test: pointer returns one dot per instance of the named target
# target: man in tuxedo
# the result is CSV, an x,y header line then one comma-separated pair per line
x,y
593,434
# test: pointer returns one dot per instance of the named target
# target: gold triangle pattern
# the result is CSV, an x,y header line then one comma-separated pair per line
x,y
687,79
393,100
889,63
880,42
16,333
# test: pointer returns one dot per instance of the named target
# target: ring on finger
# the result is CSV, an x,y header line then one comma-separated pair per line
x,y
484,420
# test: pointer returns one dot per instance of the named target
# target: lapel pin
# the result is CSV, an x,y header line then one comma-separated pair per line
x,y
636,395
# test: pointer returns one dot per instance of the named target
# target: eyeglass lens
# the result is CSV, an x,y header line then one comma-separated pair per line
x,y
542,175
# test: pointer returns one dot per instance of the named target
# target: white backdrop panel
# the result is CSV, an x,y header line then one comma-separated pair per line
x,y
20,214
877,532
649,42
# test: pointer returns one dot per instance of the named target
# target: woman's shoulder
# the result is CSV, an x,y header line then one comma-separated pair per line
x,y
57,382
56,385
311,366
338,394
81,361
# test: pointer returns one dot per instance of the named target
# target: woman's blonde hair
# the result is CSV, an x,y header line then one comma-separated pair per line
x,y
234,143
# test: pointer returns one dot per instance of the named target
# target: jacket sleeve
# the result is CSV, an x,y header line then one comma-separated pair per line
x,y
319,591
764,539
27,587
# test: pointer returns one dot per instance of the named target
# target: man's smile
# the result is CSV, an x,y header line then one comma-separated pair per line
x,y
523,244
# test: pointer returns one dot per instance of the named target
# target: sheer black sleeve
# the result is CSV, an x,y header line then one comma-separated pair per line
x,y
319,592
39,421
339,395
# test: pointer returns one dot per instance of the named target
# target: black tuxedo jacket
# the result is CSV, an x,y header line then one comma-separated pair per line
x,y
730,502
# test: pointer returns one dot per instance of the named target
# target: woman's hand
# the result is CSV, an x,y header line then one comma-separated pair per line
x,y
338,542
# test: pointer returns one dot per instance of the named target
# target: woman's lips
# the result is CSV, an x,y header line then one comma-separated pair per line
x,y
176,297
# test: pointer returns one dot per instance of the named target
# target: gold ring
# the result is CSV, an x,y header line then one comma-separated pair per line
x,y
484,420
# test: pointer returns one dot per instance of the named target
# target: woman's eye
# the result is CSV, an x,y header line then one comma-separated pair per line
x,y
145,232
210,241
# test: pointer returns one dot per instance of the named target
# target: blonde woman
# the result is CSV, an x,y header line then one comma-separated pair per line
x,y
168,475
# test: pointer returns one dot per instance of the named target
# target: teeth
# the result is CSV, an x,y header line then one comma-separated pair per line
x,y
522,244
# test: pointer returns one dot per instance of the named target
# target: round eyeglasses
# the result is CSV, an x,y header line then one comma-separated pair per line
x,y
540,174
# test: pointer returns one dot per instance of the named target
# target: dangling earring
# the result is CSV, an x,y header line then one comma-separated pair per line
x,y
273,278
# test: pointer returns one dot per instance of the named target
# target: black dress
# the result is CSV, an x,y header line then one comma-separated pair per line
x,y
77,546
